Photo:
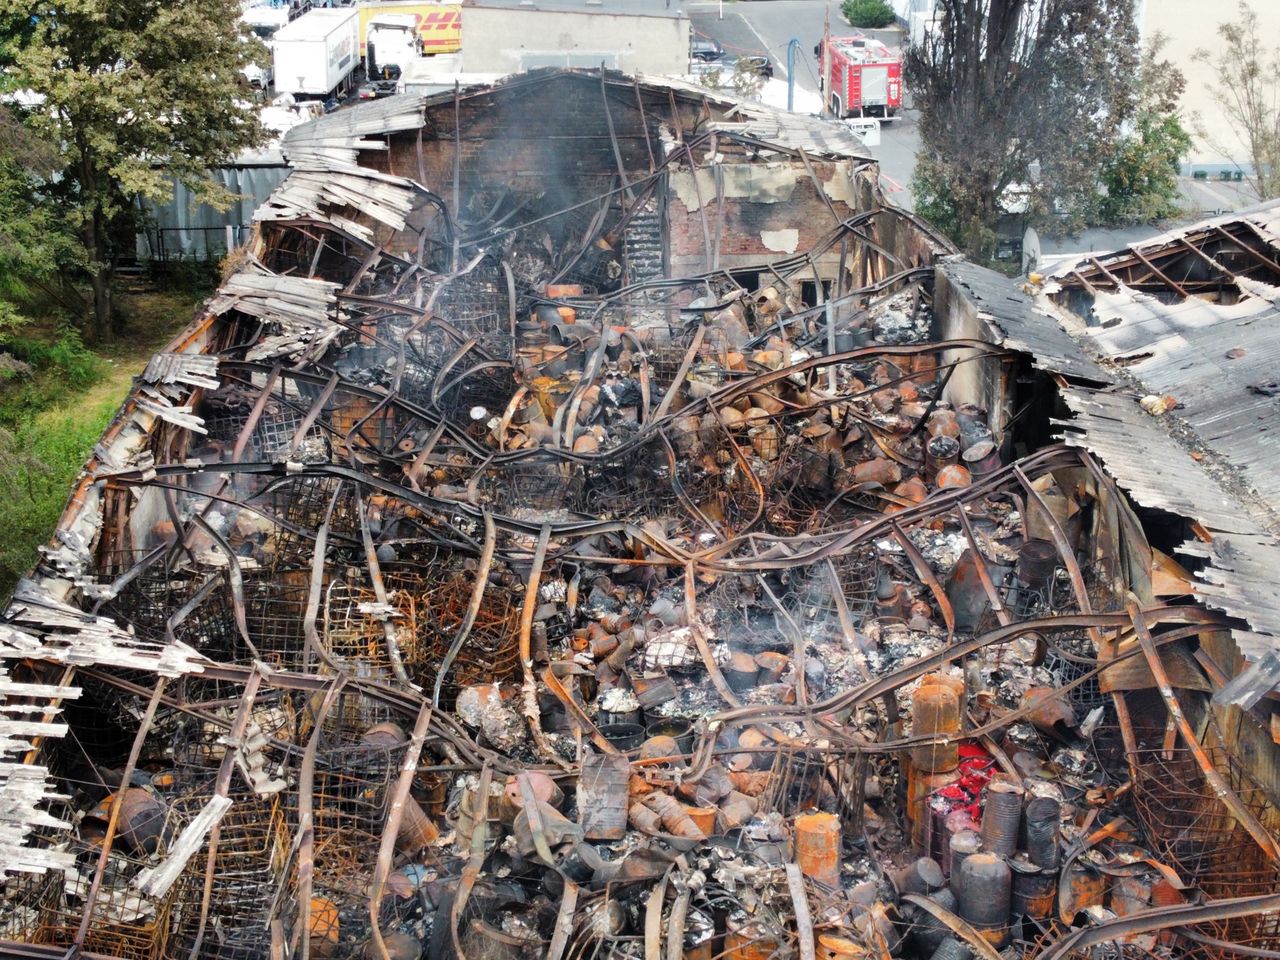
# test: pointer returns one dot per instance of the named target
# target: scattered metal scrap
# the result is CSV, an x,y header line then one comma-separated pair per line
x,y
506,608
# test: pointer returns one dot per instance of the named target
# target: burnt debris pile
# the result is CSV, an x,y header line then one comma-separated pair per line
x,y
475,592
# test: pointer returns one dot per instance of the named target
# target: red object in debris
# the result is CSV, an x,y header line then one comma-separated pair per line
x,y
973,773
866,76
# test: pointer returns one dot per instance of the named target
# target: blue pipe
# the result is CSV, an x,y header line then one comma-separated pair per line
x,y
792,45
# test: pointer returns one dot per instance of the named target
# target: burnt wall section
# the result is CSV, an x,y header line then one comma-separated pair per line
x,y
644,246
736,213
548,134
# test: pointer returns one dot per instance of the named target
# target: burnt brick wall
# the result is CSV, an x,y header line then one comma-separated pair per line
x,y
745,220
535,137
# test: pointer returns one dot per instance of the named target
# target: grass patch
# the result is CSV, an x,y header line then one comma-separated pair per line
x,y
39,460
53,409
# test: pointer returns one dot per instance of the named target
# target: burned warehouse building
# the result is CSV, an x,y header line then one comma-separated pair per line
x,y
589,521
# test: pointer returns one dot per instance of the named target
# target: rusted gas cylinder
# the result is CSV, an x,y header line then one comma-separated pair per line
x,y
1035,889
963,845
817,847
1043,820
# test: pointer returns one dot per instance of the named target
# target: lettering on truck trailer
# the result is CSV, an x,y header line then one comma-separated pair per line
x,y
340,55
439,24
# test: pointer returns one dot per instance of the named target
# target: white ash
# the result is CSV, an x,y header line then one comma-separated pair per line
x,y
670,650
941,550
618,700
554,591
901,319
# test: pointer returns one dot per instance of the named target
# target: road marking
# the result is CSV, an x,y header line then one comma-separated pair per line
x,y
778,67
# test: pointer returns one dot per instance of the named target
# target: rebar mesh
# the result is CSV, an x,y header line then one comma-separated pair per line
x,y
124,922
1189,827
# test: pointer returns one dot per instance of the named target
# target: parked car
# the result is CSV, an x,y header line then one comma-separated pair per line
x,y
705,49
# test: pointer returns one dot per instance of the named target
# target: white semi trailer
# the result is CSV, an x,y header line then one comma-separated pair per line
x,y
316,56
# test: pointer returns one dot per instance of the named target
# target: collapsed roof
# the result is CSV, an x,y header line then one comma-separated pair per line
x,y
589,522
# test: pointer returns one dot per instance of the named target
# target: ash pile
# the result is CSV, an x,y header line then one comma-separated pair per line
x,y
515,608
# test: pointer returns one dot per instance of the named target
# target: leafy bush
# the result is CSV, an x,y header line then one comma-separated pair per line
x,y
867,13
50,371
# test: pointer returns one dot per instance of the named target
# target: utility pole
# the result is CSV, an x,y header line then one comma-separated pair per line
x,y
826,60
792,46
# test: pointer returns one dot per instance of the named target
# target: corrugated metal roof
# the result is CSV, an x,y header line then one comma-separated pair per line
x,y
1158,472
30,712
817,136
336,139
1215,359
1024,325
296,309
1208,356
338,195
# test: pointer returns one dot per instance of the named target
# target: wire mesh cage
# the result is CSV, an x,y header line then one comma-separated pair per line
x,y
827,780
852,575
478,302
275,605
253,841
491,653
486,385
123,921
631,484
1192,829
301,504
355,635
535,484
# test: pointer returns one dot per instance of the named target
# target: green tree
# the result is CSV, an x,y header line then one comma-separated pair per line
x,y
1247,89
137,94
1012,93
1140,176
35,247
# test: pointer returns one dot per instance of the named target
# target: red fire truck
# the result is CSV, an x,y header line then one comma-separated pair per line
x,y
866,76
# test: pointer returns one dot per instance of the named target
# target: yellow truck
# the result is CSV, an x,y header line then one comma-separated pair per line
x,y
439,24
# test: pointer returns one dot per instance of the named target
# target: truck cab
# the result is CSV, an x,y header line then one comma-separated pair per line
x,y
866,76
392,42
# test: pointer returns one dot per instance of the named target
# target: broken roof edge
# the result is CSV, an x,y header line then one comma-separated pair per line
x,y
1264,216
1019,322
1158,473
346,131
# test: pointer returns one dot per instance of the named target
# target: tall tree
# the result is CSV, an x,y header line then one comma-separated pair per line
x,y
1247,89
137,93
1018,92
